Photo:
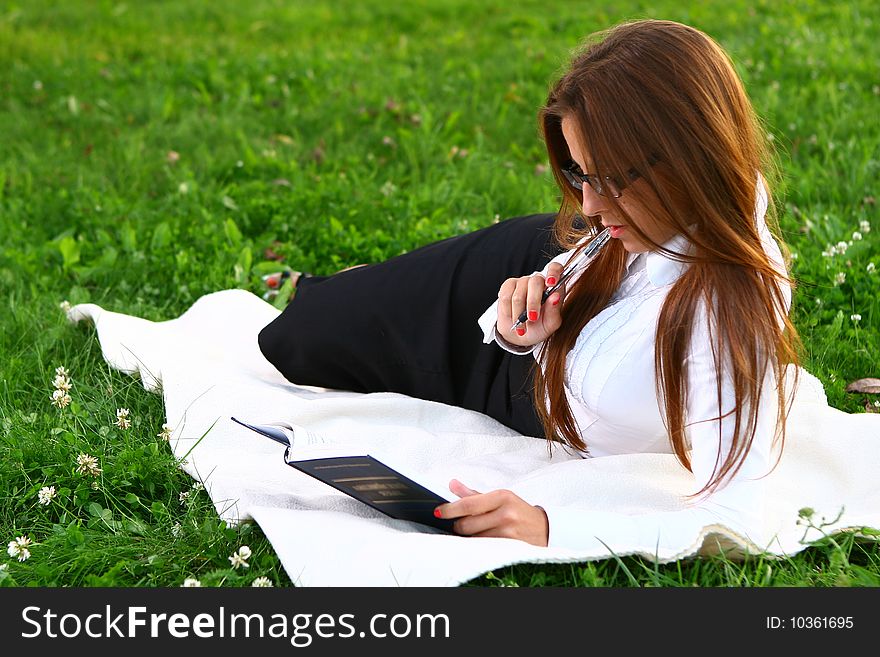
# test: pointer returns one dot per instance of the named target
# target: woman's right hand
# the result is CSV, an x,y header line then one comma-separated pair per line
x,y
524,293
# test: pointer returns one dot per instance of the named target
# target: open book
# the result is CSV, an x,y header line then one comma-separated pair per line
x,y
365,479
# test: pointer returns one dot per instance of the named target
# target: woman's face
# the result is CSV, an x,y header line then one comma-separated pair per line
x,y
636,199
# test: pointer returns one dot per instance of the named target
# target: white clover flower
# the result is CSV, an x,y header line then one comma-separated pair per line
x,y
262,582
842,247
240,557
61,371
856,318
38,85
4,567
61,383
183,497
122,420
865,226
166,432
197,487
840,278
19,548
877,403
176,529
871,267
818,301
65,306
856,236
86,464
183,188
190,582
60,399
794,256
47,494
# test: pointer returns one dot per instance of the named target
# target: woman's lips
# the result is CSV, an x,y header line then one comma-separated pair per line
x,y
616,231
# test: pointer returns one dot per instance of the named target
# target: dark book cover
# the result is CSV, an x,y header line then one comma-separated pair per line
x,y
368,480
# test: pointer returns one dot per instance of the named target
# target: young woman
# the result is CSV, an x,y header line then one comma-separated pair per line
x,y
675,337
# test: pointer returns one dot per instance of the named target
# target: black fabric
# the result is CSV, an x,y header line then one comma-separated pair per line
x,y
409,324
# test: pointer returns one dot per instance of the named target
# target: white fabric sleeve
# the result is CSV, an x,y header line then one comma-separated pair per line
x,y
738,504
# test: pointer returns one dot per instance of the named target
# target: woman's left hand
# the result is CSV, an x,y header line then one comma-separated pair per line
x,y
499,513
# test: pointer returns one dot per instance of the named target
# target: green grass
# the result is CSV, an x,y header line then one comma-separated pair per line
x,y
337,133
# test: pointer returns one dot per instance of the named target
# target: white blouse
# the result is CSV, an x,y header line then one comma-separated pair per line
x,y
610,386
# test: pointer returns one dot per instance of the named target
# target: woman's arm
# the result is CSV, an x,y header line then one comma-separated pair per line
x,y
738,504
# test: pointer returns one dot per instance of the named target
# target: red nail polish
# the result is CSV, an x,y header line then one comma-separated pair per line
x,y
556,303
551,281
533,315
520,331
437,513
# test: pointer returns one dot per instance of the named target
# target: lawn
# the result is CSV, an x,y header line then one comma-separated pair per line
x,y
152,152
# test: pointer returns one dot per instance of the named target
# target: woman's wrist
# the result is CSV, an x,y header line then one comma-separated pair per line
x,y
546,525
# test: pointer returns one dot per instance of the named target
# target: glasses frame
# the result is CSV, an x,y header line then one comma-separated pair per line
x,y
577,178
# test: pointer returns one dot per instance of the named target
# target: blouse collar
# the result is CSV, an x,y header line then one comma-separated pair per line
x,y
662,268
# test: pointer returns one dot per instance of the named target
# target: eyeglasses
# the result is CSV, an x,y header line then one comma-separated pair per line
x,y
606,186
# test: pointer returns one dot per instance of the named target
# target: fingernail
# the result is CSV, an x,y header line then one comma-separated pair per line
x,y
551,280
556,302
520,331
533,315
437,512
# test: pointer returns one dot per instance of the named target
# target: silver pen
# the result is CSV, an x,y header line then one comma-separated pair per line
x,y
583,260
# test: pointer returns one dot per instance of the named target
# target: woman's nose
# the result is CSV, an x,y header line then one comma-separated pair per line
x,y
592,203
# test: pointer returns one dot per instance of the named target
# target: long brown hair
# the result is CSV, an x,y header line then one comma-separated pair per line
x,y
653,90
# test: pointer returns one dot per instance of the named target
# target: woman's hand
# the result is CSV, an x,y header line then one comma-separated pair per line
x,y
500,513
524,293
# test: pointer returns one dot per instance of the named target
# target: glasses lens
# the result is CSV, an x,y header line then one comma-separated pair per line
x,y
576,178
571,177
614,188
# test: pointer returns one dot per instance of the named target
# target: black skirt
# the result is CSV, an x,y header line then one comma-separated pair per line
x,y
409,324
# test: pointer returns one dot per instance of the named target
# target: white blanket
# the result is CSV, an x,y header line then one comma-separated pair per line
x,y
208,367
